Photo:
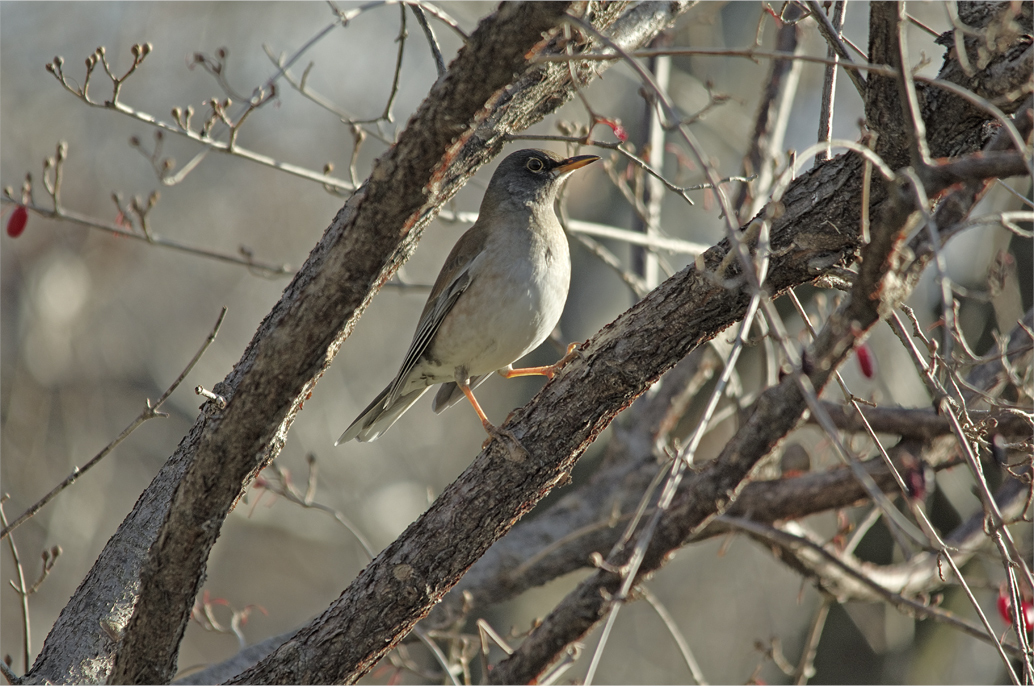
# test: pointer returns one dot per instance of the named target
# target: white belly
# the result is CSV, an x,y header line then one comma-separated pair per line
x,y
504,313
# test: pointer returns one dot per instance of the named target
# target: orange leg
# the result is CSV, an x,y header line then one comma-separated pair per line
x,y
548,371
515,451
477,408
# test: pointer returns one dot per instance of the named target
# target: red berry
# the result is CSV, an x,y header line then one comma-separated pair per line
x,y
16,222
1003,608
866,360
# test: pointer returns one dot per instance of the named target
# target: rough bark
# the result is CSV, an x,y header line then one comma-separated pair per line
x,y
462,124
884,278
371,236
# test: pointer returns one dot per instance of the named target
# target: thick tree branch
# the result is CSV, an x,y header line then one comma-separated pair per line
x,y
462,125
716,485
815,233
370,237
775,413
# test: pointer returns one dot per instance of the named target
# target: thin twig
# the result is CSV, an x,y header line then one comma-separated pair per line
x,y
831,33
754,54
21,589
899,601
806,667
644,262
673,629
771,122
432,41
109,227
439,656
150,412
829,83
286,490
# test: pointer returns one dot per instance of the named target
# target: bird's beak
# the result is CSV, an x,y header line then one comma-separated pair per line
x,y
576,162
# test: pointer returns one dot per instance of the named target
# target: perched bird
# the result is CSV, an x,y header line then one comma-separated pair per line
x,y
500,294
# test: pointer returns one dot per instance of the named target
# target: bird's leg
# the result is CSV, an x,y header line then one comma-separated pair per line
x,y
548,371
516,451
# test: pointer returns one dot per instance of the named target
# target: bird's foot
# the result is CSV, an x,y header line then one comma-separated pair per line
x,y
573,353
514,450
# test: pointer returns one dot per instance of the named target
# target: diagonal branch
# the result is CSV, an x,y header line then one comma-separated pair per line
x,y
369,238
462,124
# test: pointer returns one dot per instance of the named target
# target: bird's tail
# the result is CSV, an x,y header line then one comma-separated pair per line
x,y
449,393
377,418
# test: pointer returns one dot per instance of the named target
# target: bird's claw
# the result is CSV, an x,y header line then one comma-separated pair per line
x,y
514,450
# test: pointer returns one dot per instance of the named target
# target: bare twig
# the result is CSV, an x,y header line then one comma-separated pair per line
x,y
806,667
284,488
673,629
22,591
432,41
771,121
644,263
830,81
907,605
831,33
150,412
58,211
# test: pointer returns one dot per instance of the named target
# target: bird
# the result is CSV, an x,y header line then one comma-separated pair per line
x,y
498,296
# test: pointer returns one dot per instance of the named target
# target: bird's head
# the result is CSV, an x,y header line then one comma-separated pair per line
x,y
531,177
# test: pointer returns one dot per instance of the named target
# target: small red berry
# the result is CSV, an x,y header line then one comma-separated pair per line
x,y
16,222
1005,610
866,360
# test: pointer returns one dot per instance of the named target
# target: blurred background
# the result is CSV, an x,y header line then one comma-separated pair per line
x,y
93,325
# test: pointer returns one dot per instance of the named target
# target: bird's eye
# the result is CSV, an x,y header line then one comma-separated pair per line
x,y
535,164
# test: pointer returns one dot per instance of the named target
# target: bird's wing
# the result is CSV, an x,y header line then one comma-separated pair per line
x,y
453,280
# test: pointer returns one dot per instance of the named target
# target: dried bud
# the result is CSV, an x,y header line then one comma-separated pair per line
x,y
62,151
168,163
55,551
328,168
134,141
154,196
100,51
159,135
177,113
58,61
91,61
221,53
148,47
